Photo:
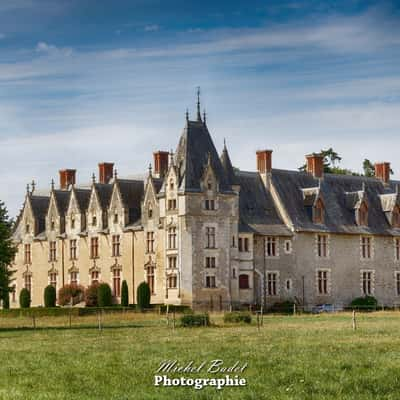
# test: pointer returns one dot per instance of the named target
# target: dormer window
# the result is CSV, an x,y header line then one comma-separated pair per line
x,y
172,204
363,214
210,204
209,185
72,222
150,213
52,225
115,218
94,220
318,212
171,184
27,228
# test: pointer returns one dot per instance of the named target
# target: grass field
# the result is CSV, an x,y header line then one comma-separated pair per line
x,y
301,357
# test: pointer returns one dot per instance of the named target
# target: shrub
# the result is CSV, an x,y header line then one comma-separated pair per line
x,y
283,307
175,308
91,295
124,294
24,298
70,293
50,295
6,301
195,320
104,295
143,296
237,317
365,303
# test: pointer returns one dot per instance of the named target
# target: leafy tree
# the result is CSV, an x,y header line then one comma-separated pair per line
x,y
104,295
91,295
368,168
50,296
331,162
70,293
24,298
7,254
143,296
124,294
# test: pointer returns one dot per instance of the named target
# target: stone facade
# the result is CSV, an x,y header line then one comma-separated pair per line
x,y
206,235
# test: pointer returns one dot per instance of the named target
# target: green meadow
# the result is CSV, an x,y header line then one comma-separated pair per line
x,y
289,357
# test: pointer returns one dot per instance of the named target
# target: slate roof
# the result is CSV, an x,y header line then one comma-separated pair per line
x,y
40,205
341,194
62,200
191,158
132,192
258,213
228,168
83,198
158,182
104,192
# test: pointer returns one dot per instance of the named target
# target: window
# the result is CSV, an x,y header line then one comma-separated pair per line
x,y
288,246
234,273
116,246
115,218
72,222
233,241
172,262
150,278
322,282
397,249
72,249
171,185
363,214
117,282
244,244
210,204
244,281
94,247
322,246
172,204
210,282
319,212
271,247
150,213
272,279
209,185
27,228
94,220
53,279
367,281
397,283
27,254
52,225
150,242
53,251
366,247
95,277
210,238
288,284
172,282
28,282
172,238
210,262
73,278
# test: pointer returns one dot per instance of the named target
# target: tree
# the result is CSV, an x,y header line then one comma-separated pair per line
x,y
70,293
91,295
124,294
104,295
24,298
368,168
50,296
143,296
7,254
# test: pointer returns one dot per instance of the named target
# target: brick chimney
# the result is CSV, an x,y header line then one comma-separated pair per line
x,y
315,164
67,178
382,171
106,171
160,163
264,161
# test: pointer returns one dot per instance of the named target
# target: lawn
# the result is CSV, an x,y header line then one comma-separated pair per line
x,y
300,357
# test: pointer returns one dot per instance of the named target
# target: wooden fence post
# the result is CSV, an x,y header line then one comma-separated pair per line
x,y
354,320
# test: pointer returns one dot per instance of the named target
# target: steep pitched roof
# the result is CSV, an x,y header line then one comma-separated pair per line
x,y
194,149
228,168
104,192
62,199
341,194
131,196
258,213
83,198
40,205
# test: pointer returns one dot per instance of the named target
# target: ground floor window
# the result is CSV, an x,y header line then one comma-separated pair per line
x,y
172,282
322,282
244,281
272,283
210,282
367,282
53,279
95,277
73,277
117,282
14,294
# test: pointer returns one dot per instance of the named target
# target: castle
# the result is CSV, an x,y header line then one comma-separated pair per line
x,y
205,234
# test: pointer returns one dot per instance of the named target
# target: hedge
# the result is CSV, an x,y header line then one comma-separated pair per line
x,y
177,309
104,295
70,293
143,296
237,317
367,303
188,320
25,298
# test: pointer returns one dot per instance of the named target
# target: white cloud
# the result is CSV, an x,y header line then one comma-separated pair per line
x,y
43,47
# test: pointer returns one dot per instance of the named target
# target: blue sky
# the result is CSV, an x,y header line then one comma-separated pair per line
x,y
88,81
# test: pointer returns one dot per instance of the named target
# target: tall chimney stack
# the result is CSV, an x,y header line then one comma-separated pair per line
x,y
315,164
67,178
106,171
382,171
161,159
264,161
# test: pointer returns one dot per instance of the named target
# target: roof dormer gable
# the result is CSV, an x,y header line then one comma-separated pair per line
x,y
314,203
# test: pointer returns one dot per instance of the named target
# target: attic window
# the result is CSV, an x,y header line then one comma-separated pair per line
x,y
94,220
150,213
209,185
27,228
52,225
72,222
318,212
115,218
363,214
171,184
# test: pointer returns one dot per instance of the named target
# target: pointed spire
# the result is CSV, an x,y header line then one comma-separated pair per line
x,y
204,117
33,185
198,104
93,178
150,170
115,174
52,184
187,115
171,157
28,189
225,149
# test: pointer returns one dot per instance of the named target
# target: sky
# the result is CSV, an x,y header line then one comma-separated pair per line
x,y
85,81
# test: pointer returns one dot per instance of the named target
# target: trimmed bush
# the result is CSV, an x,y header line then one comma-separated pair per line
x,y
124,294
70,293
24,298
104,295
188,320
91,295
237,317
367,303
283,307
50,296
143,296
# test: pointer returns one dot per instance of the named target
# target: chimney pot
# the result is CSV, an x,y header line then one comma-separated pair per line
x,y
264,161
106,172
382,171
161,161
67,178
315,164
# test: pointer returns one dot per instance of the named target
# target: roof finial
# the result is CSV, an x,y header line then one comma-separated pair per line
x,y
27,189
204,116
93,178
33,185
115,174
198,104
187,115
225,144
171,157
52,184
150,170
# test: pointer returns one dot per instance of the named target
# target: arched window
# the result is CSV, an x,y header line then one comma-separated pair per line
x,y
243,281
